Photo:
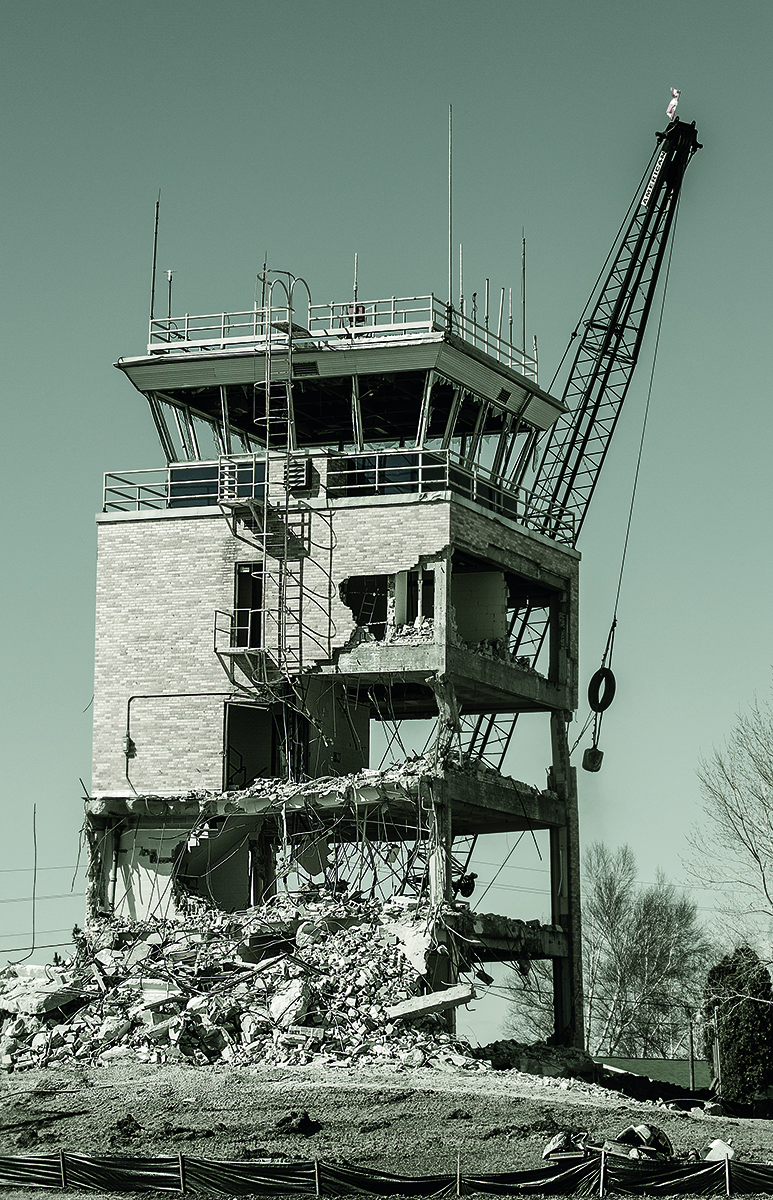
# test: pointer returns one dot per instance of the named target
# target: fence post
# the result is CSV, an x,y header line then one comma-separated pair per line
x,y
603,1175
458,1172
316,1178
63,1170
727,1176
181,1165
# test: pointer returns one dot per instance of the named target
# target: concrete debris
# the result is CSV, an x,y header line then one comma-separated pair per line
x,y
399,784
419,1006
307,978
557,1062
298,1122
421,630
718,1150
643,1142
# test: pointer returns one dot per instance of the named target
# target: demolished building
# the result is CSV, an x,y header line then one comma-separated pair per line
x,y
341,535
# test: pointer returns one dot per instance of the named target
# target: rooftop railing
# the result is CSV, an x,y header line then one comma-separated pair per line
x,y
332,326
363,474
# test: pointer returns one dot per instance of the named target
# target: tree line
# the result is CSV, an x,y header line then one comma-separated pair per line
x,y
652,971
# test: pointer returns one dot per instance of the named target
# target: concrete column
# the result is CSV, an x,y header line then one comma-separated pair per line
x,y
441,969
442,601
565,892
439,860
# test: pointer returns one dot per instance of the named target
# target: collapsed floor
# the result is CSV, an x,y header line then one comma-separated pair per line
x,y
327,981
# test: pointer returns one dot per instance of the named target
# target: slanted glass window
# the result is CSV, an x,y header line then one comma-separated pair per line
x,y
466,426
441,403
391,406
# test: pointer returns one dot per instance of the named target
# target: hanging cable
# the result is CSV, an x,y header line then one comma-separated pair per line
x,y
600,275
33,947
504,864
601,689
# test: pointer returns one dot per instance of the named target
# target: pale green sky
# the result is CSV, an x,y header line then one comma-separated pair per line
x,y
317,129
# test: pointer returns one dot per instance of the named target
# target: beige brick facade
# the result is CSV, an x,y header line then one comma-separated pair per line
x,y
162,575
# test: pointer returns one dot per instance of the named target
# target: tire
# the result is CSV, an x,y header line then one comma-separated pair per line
x,y
601,690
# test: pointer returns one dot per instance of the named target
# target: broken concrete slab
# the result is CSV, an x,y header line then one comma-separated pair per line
x,y
42,998
434,1002
290,1003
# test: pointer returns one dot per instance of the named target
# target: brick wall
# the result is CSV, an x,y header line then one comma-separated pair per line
x,y
159,581
162,575
367,539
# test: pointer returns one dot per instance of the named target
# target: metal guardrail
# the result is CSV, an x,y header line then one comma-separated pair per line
x,y
396,472
329,327
219,331
399,316
381,473
185,485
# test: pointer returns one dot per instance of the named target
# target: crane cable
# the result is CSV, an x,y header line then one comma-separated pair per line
x,y
593,292
599,699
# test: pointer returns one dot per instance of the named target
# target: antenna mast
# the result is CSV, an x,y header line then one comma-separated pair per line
x,y
155,255
461,282
450,209
523,290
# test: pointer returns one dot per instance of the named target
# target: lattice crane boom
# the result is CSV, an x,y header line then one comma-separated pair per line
x,y
605,359
601,372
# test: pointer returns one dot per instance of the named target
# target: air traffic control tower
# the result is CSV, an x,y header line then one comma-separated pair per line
x,y
340,536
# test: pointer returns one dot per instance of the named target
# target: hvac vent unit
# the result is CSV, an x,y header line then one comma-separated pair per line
x,y
298,474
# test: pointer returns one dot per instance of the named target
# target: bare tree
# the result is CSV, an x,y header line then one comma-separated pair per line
x,y
733,849
644,961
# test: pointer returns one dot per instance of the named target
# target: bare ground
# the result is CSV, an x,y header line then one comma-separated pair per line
x,y
411,1122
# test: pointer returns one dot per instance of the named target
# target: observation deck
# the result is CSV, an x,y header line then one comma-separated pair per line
x,y
396,396
386,346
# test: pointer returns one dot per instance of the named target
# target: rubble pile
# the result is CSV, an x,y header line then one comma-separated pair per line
x,y
294,981
556,1062
420,630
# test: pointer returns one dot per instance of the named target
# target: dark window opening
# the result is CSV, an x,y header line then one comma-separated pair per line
x,y
323,412
419,596
248,605
248,745
194,486
366,596
191,487
386,474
